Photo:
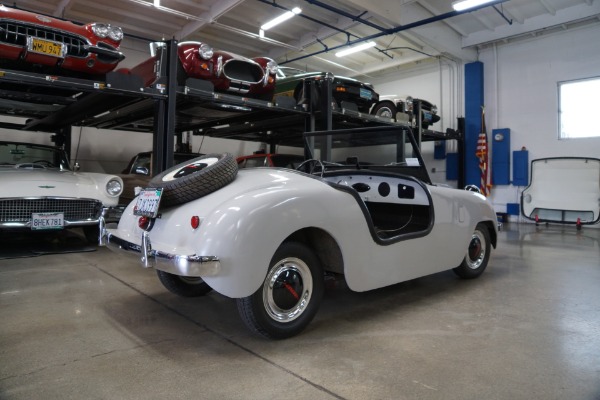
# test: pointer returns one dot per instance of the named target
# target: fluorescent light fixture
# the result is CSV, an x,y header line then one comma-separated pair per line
x,y
283,17
360,47
466,4
156,3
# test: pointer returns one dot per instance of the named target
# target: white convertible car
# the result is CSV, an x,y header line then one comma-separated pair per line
x,y
41,192
268,236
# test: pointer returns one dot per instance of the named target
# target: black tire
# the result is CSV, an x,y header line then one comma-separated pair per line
x,y
290,295
477,256
385,109
184,286
195,178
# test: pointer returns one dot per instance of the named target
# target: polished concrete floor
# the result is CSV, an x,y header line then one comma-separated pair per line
x,y
88,325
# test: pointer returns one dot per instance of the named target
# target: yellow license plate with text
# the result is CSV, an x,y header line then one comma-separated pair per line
x,y
47,47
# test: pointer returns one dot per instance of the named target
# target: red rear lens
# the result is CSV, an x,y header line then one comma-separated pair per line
x,y
195,222
144,222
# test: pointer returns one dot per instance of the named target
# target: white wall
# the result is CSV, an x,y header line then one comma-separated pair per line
x,y
521,93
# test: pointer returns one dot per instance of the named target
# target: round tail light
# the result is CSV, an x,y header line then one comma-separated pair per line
x,y
144,223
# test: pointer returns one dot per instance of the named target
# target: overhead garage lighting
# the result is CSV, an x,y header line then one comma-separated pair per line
x,y
283,17
466,4
355,49
156,3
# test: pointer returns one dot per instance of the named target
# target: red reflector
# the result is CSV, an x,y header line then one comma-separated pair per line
x,y
195,222
144,222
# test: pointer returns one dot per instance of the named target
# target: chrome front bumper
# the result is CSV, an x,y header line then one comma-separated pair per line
x,y
182,265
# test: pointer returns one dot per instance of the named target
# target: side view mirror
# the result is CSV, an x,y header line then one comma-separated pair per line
x,y
141,171
472,188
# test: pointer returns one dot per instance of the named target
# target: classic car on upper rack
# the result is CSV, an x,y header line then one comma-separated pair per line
x,y
268,236
404,109
344,90
228,72
39,43
40,191
260,159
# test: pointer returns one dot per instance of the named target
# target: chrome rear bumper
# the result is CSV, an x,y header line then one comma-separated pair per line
x,y
182,265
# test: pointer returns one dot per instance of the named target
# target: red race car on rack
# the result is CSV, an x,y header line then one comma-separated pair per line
x,y
228,72
39,43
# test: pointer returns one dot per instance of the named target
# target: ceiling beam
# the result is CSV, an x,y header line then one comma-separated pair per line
x,y
217,10
579,12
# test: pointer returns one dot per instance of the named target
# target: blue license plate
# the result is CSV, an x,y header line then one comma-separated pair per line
x,y
366,94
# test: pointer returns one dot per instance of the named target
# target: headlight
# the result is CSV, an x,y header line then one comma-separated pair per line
x,y
100,30
105,30
434,109
205,51
115,33
114,187
409,103
272,67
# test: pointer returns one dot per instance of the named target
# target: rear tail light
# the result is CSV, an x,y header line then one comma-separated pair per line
x,y
144,223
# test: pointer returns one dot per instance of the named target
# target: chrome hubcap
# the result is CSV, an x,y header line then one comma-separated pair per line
x,y
287,290
385,112
476,252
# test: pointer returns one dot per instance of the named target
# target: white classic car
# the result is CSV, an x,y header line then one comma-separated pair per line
x,y
41,192
268,236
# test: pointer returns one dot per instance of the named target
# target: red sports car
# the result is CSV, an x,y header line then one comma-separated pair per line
x,y
37,42
227,71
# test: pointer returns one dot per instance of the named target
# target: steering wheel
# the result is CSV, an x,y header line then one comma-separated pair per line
x,y
310,166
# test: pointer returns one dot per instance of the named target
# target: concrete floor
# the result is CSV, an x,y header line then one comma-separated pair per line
x,y
90,326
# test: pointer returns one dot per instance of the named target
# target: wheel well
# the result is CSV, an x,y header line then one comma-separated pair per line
x,y
493,236
324,246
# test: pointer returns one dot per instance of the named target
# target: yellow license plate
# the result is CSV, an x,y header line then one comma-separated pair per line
x,y
47,47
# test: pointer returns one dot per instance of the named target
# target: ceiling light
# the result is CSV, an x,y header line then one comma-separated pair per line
x,y
283,17
355,49
466,4
156,3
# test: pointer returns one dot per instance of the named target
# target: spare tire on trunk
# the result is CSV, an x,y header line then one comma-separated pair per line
x,y
195,178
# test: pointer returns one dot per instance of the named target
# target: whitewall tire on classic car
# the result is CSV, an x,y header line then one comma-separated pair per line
x,y
184,286
477,256
290,295
195,178
385,109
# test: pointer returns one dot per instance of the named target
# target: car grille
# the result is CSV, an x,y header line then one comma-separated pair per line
x,y
16,33
20,210
243,71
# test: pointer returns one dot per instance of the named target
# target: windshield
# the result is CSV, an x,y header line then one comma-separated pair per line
x,y
22,154
283,72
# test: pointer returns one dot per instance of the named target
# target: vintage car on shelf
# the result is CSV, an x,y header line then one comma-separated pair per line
x,y
259,159
403,109
139,172
40,191
228,72
39,43
268,237
290,82
546,200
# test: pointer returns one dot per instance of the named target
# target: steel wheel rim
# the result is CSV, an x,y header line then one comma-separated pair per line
x,y
385,112
287,290
476,251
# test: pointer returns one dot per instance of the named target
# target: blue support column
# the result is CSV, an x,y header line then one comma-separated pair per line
x,y
473,104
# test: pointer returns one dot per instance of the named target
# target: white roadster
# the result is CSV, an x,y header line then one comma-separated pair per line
x,y
268,236
41,192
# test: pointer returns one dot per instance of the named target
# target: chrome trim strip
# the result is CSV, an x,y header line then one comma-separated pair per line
x,y
182,265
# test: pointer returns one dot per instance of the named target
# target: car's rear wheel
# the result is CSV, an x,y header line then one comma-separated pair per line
x,y
290,295
478,254
385,109
195,178
184,286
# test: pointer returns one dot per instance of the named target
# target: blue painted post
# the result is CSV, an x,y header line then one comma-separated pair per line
x,y
473,104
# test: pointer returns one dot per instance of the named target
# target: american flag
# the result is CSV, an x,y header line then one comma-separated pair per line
x,y
482,153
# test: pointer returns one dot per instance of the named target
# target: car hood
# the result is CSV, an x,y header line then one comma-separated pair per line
x,y
17,182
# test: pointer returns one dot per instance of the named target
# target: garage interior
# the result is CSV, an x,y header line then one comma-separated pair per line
x,y
80,322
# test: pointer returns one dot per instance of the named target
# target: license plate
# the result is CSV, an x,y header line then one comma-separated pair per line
x,y
44,221
366,94
46,47
147,202
428,117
